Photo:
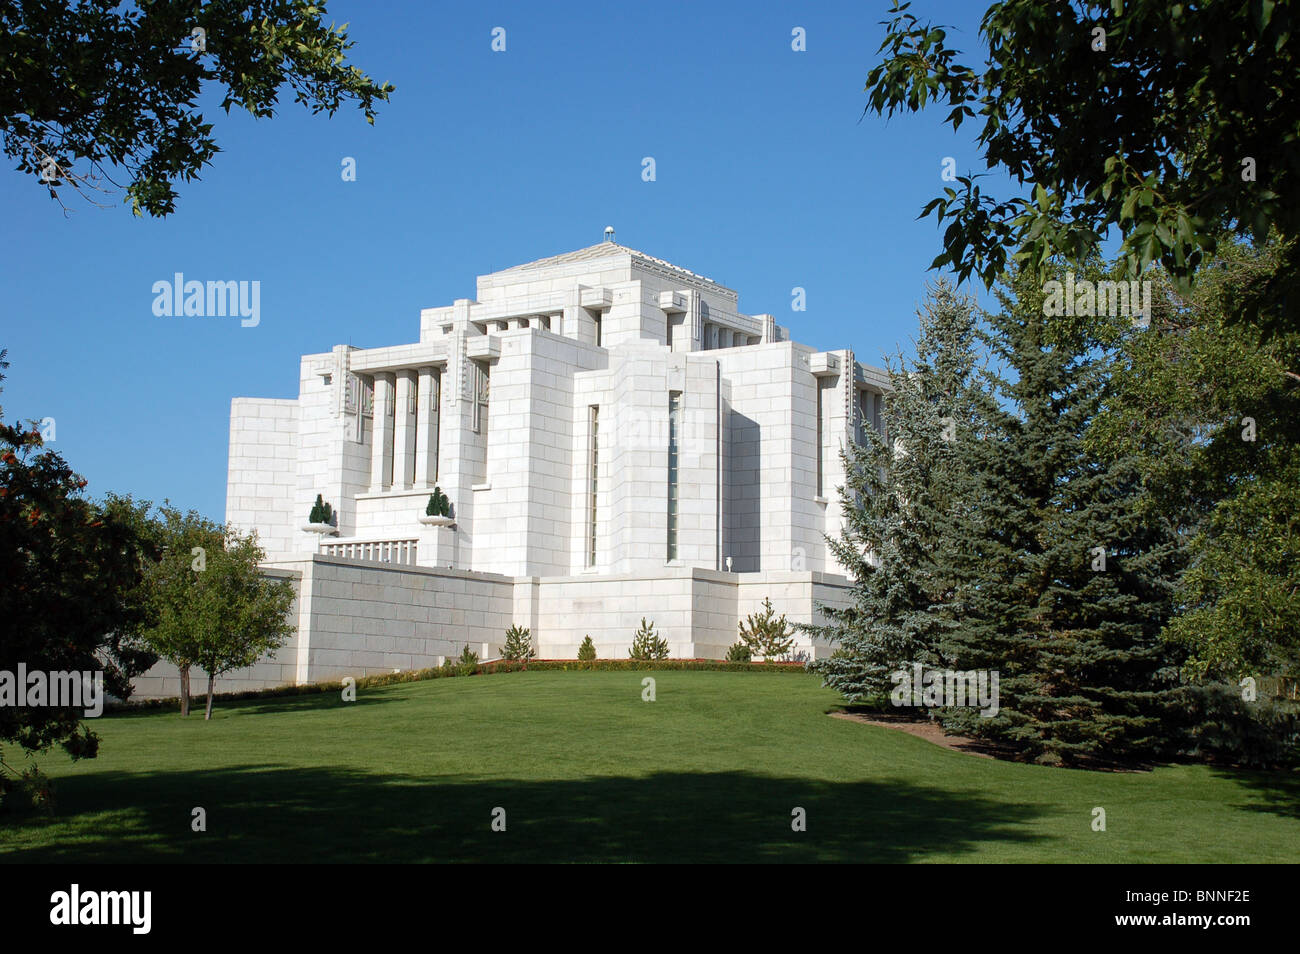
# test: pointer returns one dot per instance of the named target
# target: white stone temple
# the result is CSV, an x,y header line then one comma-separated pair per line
x,y
616,440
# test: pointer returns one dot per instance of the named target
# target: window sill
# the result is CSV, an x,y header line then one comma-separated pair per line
x,y
476,487
820,500
395,492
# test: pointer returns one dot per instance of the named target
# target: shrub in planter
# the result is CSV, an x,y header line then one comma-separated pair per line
x,y
646,644
321,512
740,653
438,505
519,645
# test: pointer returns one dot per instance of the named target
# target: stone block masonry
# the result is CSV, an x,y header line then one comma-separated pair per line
x,y
616,440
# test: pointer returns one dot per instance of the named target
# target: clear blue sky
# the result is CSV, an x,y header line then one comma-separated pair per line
x,y
769,177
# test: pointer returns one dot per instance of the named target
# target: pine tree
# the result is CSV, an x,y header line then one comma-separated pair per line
x,y
519,644
766,634
896,502
587,651
646,644
467,665
1060,585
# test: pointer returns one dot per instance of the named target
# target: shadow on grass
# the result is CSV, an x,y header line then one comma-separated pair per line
x,y
261,813
330,700
288,703
1278,791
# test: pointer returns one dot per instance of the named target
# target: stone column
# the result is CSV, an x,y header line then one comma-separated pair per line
x,y
694,322
381,453
428,411
404,432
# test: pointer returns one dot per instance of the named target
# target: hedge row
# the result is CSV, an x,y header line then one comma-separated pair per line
x,y
619,665
483,669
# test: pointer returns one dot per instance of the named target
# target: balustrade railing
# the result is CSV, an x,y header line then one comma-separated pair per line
x,y
401,552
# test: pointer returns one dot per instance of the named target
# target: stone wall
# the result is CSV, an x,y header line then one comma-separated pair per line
x,y
360,618
262,479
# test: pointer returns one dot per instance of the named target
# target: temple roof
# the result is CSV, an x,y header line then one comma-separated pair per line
x,y
607,250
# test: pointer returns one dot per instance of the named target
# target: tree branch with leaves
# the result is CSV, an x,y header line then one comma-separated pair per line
x,y
93,92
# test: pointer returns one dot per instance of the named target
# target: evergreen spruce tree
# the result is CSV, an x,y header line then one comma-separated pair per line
x,y
1210,406
897,498
1060,586
587,651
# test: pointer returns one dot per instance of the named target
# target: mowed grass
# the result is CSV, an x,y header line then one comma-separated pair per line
x,y
587,771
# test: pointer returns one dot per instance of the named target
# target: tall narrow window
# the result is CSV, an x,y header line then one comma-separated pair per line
x,y
593,468
597,315
868,414
435,419
390,431
821,469
481,391
674,431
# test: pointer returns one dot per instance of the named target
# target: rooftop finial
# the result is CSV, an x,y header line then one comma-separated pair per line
x,y
609,233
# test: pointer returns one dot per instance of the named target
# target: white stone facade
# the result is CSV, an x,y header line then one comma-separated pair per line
x,y
613,436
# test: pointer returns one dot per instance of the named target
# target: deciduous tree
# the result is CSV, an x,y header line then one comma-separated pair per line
x,y
1168,122
94,92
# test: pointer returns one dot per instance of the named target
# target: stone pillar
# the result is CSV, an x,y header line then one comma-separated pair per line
x,y
381,455
694,322
428,412
404,432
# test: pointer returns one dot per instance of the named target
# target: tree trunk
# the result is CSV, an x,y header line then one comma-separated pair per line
x,y
185,690
208,715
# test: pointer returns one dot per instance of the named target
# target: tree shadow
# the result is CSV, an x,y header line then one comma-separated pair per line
x,y
300,703
1278,791
268,813
295,702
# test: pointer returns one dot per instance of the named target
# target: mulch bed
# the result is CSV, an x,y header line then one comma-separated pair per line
x,y
933,731
923,728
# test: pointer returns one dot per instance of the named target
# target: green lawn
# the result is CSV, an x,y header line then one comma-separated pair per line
x,y
588,772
